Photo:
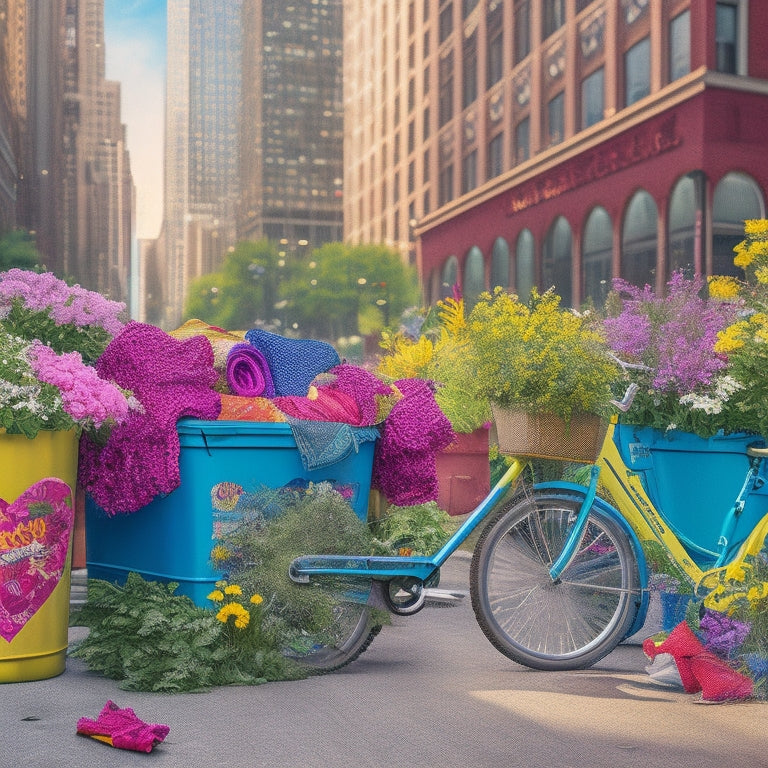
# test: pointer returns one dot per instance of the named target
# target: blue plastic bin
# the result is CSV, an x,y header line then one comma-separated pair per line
x,y
694,480
171,538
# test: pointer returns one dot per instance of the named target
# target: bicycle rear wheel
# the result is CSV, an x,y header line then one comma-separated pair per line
x,y
567,624
349,631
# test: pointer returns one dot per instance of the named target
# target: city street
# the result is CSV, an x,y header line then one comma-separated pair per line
x,y
431,691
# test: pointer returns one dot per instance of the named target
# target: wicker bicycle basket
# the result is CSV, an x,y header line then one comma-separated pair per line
x,y
546,436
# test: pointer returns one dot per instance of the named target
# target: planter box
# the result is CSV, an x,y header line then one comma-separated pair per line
x,y
546,436
694,480
171,538
464,473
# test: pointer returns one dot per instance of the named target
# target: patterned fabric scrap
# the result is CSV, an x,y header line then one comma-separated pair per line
x,y
236,408
170,378
415,431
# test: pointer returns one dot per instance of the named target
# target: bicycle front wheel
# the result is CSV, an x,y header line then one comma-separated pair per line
x,y
567,624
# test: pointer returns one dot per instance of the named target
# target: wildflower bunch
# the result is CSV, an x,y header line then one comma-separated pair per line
x,y
240,616
440,354
686,384
539,357
66,318
50,333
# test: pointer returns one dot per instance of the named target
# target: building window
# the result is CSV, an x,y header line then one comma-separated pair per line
x,y
637,71
446,89
639,240
727,37
684,211
445,25
425,172
445,191
522,30
496,156
450,277
554,16
500,264
523,140
680,46
597,256
737,198
469,72
467,6
592,98
474,277
469,172
426,126
556,259
525,272
495,51
426,80
556,119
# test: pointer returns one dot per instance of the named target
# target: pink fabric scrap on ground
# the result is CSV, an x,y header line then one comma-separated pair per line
x,y
121,728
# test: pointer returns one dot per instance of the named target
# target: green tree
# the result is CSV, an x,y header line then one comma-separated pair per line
x,y
17,249
242,293
342,290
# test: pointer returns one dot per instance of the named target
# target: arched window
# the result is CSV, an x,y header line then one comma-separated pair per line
x,y
556,259
434,291
449,277
597,256
639,240
524,267
474,277
737,198
684,210
500,264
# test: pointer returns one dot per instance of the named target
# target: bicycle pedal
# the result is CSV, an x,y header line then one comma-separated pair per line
x,y
443,598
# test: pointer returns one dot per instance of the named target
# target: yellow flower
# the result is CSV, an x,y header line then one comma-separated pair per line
x,y
220,553
257,599
756,226
758,592
731,338
217,596
761,275
233,589
723,288
243,619
233,609
736,571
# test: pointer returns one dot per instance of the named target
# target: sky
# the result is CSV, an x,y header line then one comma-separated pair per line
x,y
134,32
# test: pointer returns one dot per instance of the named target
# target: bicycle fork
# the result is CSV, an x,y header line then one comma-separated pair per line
x,y
576,533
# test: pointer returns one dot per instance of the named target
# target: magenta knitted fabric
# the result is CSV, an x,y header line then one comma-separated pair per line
x,y
404,469
361,385
170,378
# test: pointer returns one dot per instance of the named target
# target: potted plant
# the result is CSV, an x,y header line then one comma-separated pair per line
x,y
49,333
546,372
437,349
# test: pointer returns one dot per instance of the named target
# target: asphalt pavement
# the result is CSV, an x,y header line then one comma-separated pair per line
x,y
431,692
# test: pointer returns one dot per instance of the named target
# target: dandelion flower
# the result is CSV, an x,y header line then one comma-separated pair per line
x,y
233,589
216,596
257,599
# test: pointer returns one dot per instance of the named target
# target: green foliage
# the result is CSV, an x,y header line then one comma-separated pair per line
x,y
150,639
422,528
17,249
319,522
539,357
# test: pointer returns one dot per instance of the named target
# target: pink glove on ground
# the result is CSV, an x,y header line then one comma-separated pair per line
x,y
121,728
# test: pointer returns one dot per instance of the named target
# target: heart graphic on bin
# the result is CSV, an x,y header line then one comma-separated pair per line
x,y
34,543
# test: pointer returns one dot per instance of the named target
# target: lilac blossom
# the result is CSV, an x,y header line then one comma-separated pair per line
x,y
722,634
85,397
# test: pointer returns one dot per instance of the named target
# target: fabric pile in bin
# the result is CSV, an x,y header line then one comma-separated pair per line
x,y
170,378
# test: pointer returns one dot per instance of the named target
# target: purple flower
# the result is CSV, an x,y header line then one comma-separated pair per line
x,y
722,634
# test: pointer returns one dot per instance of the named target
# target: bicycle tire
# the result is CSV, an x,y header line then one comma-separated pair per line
x,y
568,624
332,648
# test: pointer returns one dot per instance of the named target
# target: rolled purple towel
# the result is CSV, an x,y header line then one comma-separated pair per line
x,y
248,373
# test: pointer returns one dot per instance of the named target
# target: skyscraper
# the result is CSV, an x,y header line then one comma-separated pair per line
x,y
203,103
292,128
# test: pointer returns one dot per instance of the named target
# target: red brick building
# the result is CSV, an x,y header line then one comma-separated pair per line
x,y
633,141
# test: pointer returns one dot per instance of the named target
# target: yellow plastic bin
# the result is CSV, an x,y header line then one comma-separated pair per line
x,y
34,603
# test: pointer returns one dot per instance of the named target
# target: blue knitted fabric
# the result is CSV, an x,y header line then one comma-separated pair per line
x,y
293,363
323,443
